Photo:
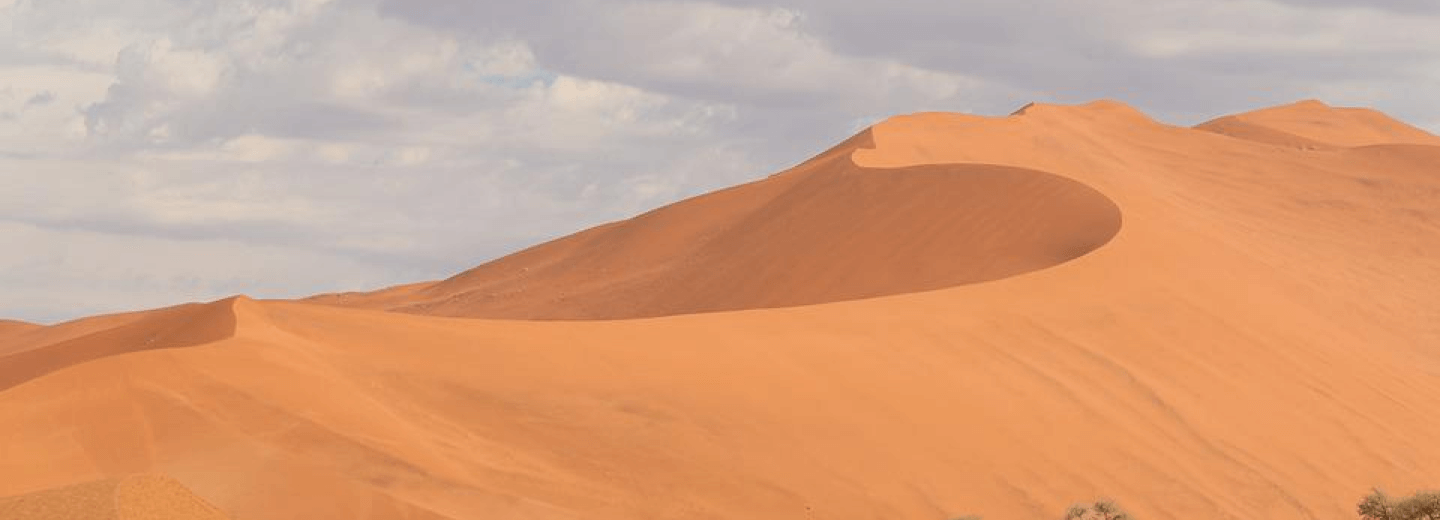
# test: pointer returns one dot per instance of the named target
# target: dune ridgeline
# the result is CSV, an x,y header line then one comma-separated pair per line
x,y
945,315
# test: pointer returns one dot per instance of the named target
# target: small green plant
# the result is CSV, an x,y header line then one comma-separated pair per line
x,y
1423,505
1100,510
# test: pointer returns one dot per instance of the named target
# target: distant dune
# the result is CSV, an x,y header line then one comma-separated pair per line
x,y
1313,123
10,327
63,345
944,315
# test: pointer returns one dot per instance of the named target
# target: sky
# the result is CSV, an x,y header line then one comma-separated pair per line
x,y
154,152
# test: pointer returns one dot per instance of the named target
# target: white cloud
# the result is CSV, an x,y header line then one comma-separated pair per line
x,y
52,274
746,54
158,65
52,126
1209,26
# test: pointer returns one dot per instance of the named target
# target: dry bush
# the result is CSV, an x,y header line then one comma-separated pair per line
x,y
1423,505
1100,510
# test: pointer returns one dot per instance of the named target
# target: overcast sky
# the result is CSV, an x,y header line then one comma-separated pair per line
x,y
160,151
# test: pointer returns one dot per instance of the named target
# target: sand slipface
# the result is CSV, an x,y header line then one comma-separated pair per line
x,y
177,326
137,497
944,315
827,230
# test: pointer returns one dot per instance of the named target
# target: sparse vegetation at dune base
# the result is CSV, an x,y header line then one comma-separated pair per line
x,y
1423,505
1100,510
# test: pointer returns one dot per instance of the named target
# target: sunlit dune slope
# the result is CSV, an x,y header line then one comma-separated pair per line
x,y
1312,124
1257,340
139,497
63,346
12,327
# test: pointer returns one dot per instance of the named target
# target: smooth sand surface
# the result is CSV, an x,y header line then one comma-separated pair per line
x,y
13,327
136,497
1255,337
62,346
826,231
1312,123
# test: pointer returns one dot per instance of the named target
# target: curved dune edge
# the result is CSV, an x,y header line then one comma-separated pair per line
x,y
1257,344
173,327
14,327
826,231
136,497
11,331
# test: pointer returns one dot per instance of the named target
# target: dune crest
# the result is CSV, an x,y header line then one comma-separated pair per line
x,y
826,231
1314,124
136,497
11,327
174,327
1256,341
1100,109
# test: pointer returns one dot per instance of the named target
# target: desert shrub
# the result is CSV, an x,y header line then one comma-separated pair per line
x,y
1100,510
1424,505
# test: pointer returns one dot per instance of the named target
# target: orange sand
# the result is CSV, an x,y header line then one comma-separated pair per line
x,y
12,327
137,497
1312,123
1256,340
825,231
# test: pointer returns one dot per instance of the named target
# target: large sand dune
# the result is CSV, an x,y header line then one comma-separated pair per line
x,y
1258,339
825,231
1313,123
11,327
42,351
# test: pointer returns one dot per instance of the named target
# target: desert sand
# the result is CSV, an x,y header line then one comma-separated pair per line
x,y
13,327
1313,123
944,315
134,497
828,230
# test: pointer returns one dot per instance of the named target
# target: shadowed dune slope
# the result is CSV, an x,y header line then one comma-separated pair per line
x,y
139,497
184,325
11,327
825,231
1257,341
1313,124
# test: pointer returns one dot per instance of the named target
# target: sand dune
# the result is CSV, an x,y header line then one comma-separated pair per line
x,y
12,327
138,497
1313,123
165,328
1256,340
825,231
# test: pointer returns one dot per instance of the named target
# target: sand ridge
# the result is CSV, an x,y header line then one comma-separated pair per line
x,y
829,229
1312,123
830,232
14,327
134,497
1255,341
184,325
